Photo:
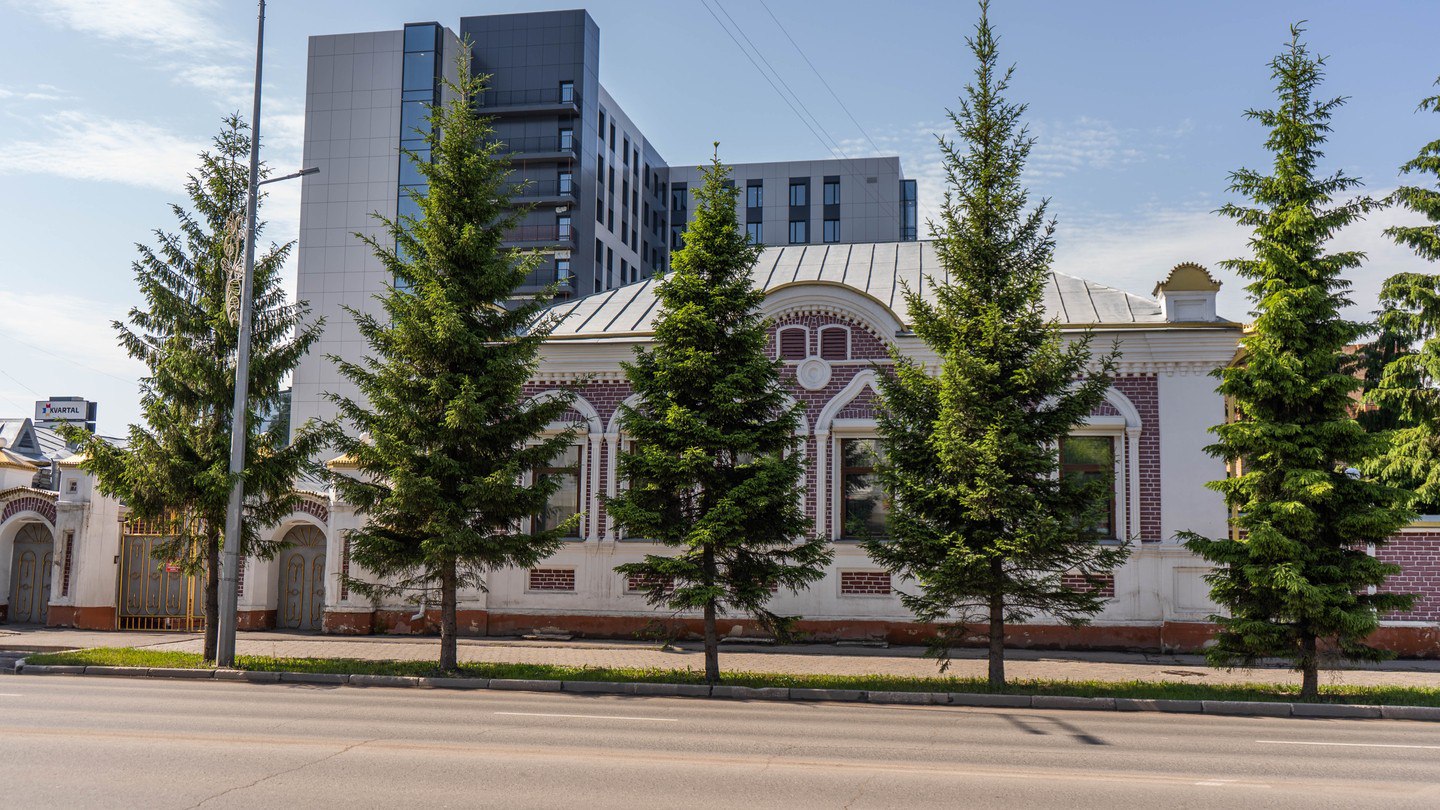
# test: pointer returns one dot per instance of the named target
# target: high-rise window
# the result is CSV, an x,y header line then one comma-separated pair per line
x,y
679,197
562,271
832,192
799,194
756,232
908,217
625,151
755,196
799,232
567,140
562,228
567,92
565,184
832,230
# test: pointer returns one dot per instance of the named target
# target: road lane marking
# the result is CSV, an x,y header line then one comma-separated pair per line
x,y
11,694
1346,745
590,716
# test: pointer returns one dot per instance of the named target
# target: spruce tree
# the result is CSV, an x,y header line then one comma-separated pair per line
x,y
1407,351
1295,573
716,473
174,468
980,520
441,438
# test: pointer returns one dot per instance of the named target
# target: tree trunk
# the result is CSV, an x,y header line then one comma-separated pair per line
x,y
997,641
996,656
1310,669
712,638
448,654
212,592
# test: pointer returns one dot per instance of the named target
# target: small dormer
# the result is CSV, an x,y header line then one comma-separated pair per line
x,y
1188,294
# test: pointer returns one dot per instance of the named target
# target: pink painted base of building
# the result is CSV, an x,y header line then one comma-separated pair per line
x,y
1165,637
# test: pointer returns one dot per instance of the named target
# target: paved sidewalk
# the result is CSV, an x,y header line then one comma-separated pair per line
x,y
799,659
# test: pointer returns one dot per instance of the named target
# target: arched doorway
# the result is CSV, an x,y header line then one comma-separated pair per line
x,y
30,564
302,580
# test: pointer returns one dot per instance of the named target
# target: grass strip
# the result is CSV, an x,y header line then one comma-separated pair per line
x,y
1160,690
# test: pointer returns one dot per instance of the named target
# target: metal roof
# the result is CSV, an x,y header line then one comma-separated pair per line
x,y
880,270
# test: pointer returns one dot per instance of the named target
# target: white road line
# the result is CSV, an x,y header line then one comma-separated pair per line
x,y
591,716
11,694
1346,745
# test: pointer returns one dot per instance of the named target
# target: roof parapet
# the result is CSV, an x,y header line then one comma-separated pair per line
x,y
1188,294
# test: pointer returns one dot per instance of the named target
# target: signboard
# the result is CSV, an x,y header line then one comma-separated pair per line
x,y
172,568
76,411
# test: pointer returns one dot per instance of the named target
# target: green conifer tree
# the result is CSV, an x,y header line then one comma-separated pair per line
x,y
441,439
1407,351
716,474
1295,574
980,521
174,468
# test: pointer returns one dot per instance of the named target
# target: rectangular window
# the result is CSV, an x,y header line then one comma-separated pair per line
x,y
832,192
679,198
755,196
1090,458
566,183
564,502
863,504
909,228
799,232
419,72
414,119
756,232
567,92
567,140
625,151
612,136
799,194
562,271
832,230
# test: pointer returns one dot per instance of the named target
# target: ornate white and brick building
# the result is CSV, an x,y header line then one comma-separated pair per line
x,y
836,311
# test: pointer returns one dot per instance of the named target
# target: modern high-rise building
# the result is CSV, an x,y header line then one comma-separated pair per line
x,y
606,208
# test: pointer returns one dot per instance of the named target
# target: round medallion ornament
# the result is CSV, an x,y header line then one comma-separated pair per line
x,y
813,374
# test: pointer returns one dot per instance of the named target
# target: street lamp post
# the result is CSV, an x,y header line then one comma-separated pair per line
x,y
230,554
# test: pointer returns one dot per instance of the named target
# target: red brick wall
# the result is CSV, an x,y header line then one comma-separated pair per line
x,y
45,508
1143,391
1106,584
1418,553
864,583
551,579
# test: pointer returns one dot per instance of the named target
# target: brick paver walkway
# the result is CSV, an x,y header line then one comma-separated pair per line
x,y
817,659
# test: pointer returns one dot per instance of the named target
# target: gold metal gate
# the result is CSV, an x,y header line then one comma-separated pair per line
x,y
302,580
156,594
31,562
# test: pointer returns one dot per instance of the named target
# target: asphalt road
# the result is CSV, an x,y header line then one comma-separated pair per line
x,y
113,742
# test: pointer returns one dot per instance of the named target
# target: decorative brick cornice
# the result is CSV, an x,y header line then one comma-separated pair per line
x,y
40,505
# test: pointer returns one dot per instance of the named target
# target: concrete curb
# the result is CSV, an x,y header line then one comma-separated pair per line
x,y
1228,708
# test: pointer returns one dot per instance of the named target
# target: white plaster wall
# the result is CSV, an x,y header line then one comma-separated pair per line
x,y
1189,407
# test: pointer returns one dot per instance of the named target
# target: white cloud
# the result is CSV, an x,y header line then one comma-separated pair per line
x,y
1134,251
42,92
74,353
82,146
171,26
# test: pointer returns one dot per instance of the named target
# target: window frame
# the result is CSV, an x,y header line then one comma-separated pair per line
x,y
1118,514
780,342
826,195
826,232
840,502
579,471
804,225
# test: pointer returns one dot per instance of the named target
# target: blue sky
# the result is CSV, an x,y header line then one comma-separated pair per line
x,y
1137,107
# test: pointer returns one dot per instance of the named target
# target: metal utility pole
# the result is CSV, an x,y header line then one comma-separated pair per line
x,y
230,555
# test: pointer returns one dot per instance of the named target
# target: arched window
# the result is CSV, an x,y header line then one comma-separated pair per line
x,y
793,342
835,343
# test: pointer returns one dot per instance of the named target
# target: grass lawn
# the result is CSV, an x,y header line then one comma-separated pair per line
x,y
131,657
